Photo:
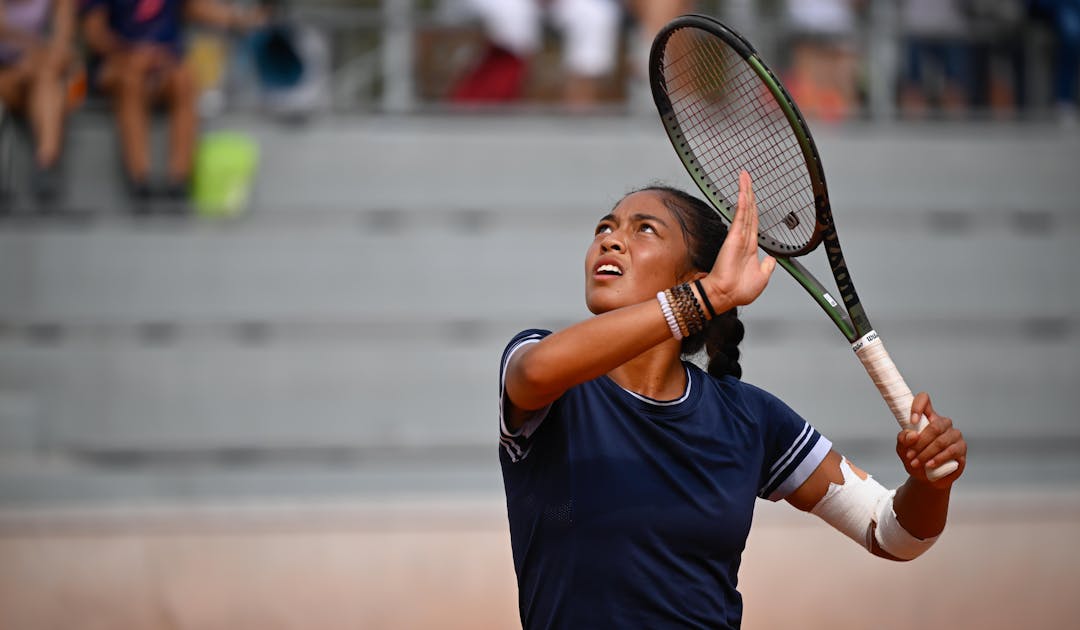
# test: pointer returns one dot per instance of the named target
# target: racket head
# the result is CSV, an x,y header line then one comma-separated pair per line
x,y
725,111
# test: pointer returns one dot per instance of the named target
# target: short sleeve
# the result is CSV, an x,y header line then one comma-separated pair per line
x,y
793,449
517,444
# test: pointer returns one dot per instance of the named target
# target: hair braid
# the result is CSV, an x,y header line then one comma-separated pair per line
x,y
722,337
704,232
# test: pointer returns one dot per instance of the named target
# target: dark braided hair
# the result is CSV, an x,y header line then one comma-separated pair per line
x,y
704,232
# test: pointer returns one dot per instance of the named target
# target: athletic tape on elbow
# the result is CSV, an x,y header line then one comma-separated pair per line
x,y
851,507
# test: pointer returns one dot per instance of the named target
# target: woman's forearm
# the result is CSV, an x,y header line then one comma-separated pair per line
x,y
584,351
921,508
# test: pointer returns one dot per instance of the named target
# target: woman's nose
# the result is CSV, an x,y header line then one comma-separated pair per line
x,y
611,243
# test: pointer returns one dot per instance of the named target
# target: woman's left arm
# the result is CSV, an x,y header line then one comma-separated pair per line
x,y
922,505
900,524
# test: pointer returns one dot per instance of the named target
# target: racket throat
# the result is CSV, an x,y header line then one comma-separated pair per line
x,y
807,281
831,242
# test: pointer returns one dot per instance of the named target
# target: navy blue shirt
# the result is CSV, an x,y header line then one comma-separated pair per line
x,y
628,512
144,21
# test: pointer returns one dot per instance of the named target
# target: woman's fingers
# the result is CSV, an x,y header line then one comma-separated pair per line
x,y
738,274
751,220
938,442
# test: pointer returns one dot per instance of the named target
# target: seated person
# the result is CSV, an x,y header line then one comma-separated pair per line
x,y
136,51
35,54
514,28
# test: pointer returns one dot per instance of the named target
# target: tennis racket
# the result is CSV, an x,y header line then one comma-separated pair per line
x,y
725,111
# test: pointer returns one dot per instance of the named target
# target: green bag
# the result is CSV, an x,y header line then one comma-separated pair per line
x,y
225,166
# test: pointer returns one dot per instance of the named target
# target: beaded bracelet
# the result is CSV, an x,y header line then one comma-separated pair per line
x,y
705,299
698,314
687,312
665,306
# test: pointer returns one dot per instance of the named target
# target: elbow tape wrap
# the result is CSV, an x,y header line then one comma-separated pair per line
x,y
851,507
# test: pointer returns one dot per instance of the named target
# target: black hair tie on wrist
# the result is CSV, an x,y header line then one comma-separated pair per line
x,y
705,298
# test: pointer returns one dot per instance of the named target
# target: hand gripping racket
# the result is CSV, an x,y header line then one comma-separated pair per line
x,y
725,111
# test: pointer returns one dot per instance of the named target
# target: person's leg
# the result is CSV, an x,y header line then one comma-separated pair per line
x,y
842,69
13,81
46,107
913,101
956,66
126,78
181,94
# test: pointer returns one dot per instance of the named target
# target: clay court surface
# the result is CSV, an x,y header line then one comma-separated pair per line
x,y
1008,561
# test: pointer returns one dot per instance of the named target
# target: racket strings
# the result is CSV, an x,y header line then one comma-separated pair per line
x,y
730,121
740,148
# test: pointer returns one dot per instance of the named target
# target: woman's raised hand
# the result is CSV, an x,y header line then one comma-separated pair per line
x,y
738,276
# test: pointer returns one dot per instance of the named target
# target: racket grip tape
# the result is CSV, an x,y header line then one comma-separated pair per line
x,y
871,352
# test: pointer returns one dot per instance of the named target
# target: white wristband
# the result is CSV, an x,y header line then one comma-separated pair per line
x,y
669,315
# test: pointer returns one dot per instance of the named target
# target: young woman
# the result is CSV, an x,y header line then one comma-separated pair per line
x,y
631,475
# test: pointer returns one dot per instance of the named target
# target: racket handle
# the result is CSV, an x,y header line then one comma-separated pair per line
x,y
895,391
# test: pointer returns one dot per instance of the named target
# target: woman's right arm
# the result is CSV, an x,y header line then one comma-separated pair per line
x,y
540,373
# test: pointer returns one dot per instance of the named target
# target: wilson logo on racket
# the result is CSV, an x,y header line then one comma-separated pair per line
x,y
865,340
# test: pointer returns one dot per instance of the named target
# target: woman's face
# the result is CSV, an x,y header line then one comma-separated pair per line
x,y
639,250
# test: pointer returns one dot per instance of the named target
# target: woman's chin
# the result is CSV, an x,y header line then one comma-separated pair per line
x,y
598,304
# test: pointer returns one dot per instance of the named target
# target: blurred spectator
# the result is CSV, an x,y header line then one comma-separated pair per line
x,y
650,16
291,63
997,54
937,64
1064,15
653,15
137,57
589,28
35,55
824,61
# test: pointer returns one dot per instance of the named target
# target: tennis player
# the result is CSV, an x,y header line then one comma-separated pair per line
x,y
631,474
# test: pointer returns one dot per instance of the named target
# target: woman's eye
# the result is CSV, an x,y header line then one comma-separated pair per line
x,y
647,227
603,229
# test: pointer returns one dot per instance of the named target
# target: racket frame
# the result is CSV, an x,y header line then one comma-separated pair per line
x,y
852,320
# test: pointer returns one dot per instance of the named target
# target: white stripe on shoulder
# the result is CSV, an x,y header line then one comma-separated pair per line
x,y
803,471
513,450
533,338
804,435
785,461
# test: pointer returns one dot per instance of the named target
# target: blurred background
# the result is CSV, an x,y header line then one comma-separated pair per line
x,y
254,384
